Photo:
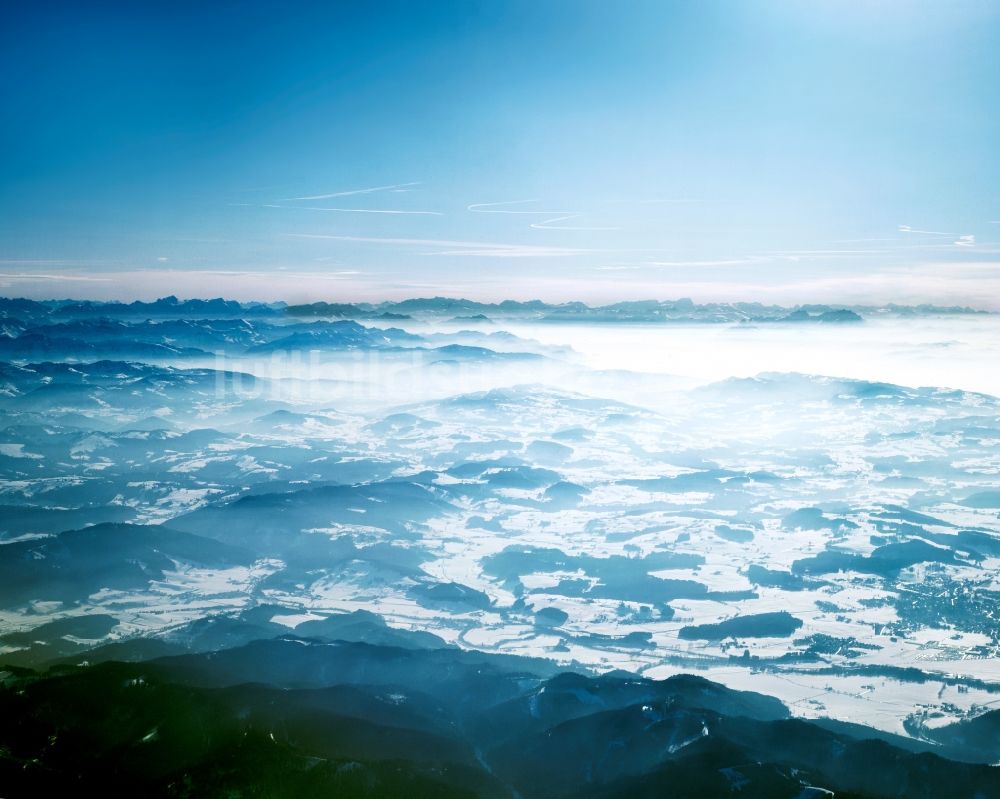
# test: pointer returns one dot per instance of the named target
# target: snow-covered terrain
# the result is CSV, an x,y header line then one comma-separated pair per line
x,y
804,510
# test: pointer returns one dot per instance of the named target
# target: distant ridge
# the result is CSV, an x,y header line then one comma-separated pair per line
x,y
15,311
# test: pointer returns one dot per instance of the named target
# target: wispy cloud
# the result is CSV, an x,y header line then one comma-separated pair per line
x,y
772,257
824,252
549,224
966,241
666,201
545,224
366,210
280,273
501,208
352,192
908,229
857,241
485,249
683,264
68,262
36,276
750,259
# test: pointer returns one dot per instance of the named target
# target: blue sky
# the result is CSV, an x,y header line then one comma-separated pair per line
x,y
785,151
